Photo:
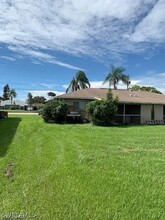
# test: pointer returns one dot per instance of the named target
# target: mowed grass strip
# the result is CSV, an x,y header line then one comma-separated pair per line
x,y
81,171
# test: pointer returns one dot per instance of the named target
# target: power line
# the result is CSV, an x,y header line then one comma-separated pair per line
x,y
34,89
31,89
15,83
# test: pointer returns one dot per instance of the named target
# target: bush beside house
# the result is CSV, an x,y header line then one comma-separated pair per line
x,y
55,111
102,112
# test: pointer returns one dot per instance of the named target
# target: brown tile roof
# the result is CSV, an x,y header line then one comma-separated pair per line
x,y
125,96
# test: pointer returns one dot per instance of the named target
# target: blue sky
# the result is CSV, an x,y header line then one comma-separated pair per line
x,y
43,43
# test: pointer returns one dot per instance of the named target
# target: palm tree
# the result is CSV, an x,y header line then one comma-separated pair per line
x,y
13,94
73,86
29,100
126,80
114,76
80,81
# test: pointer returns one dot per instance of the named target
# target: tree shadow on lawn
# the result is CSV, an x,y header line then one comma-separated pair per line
x,y
8,128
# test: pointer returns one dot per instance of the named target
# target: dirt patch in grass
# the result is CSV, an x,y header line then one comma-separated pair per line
x,y
8,172
154,150
127,149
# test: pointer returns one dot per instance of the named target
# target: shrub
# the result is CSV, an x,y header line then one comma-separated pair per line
x,y
41,111
55,111
34,108
13,108
102,112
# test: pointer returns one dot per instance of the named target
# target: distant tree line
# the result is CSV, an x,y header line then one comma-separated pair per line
x,y
8,93
145,88
31,100
35,100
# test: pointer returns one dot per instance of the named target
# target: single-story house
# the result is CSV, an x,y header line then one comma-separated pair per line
x,y
135,107
17,104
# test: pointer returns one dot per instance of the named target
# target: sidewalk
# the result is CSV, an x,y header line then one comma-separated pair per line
x,y
22,113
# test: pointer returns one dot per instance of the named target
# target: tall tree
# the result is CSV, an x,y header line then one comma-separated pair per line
x,y
80,81
12,95
6,92
29,99
126,80
1,99
114,76
73,86
39,100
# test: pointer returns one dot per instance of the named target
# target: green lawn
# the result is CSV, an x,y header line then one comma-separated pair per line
x,y
81,172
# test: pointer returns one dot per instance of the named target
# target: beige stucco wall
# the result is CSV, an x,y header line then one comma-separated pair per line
x,y
145,113
82,103
158,112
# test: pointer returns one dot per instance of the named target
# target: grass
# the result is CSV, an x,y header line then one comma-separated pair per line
x,y
81,171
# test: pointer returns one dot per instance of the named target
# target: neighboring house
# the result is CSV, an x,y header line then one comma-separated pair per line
x,y
17,104
135,107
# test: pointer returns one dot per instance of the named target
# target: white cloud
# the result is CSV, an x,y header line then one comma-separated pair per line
x,y
48,86
97,84
152,27
7,58
95,28
44,57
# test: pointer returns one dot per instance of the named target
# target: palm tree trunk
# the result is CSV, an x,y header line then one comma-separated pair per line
x,y
11,101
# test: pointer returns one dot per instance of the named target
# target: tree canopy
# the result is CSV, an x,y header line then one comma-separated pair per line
x,y
80,81
29,99
51,94
126,80
115,76
6,92
38,100
35,100
145,88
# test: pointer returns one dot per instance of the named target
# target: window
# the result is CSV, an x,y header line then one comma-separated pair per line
x,y
76,106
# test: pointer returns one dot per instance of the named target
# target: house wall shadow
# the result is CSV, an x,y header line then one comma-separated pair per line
x,y
8,128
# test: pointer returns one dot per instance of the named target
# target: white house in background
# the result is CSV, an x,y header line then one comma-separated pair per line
x,y
17,104
134,107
